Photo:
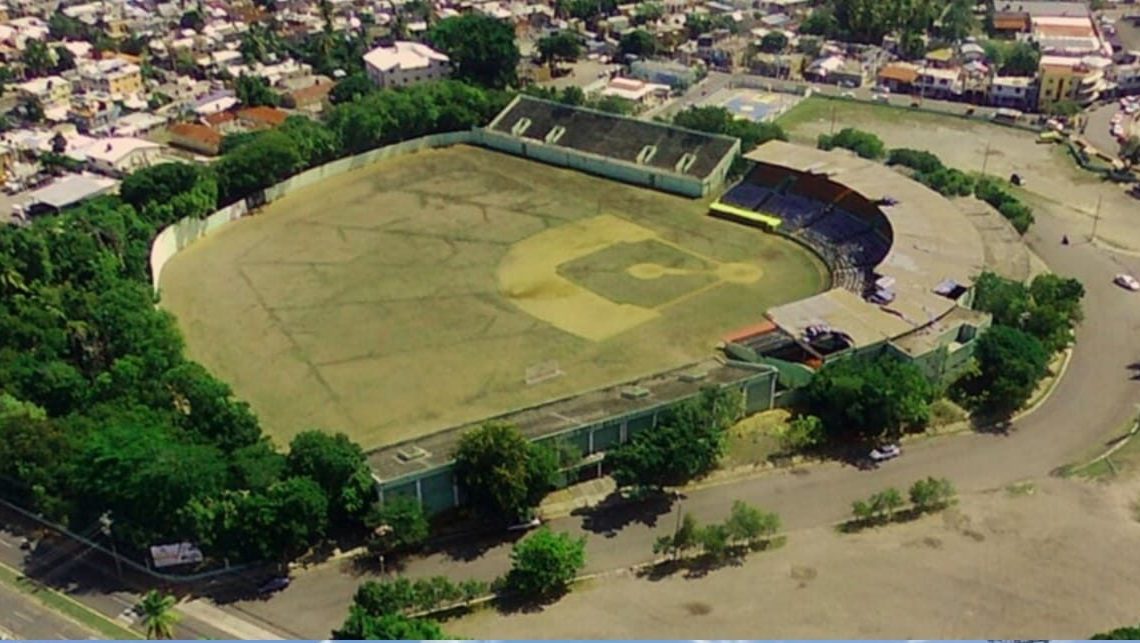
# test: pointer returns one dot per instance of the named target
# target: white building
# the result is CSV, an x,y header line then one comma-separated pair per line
x,y
119,156
405,63
1012,91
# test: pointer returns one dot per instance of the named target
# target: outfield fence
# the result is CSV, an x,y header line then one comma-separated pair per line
x,y
177,236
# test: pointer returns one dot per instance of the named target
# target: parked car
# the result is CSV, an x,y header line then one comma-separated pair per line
x,y
526,525
1127,282
275,584
884,453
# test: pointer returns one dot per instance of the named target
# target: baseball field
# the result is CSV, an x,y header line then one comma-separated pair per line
x,y
438,288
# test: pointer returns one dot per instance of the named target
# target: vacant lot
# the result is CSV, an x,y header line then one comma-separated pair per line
x,y
414,294
1022,561
974,145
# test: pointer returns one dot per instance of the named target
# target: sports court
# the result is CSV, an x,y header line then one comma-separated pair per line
x,y
751,104
438,288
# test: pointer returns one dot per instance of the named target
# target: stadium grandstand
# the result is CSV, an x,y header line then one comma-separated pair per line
x,y
657,155
903,260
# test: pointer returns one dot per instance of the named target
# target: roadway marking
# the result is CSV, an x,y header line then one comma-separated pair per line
x,y
22,616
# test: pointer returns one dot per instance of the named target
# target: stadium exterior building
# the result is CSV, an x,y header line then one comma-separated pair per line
x,y
902,259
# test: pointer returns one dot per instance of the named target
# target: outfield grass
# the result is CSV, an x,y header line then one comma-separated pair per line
x,y
67,606
412,295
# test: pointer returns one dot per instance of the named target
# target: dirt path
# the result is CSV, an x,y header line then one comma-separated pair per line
x,y
1008,562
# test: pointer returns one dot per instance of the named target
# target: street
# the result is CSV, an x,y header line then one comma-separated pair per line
x,y
22,617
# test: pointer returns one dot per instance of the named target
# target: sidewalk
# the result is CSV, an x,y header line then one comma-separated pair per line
x,y
237,627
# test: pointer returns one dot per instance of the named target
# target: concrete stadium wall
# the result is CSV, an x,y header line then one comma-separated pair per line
x,y
437,489
600,166
175,237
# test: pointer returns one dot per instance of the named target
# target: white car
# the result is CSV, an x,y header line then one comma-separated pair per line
x,y
526,525
1128,282
848,94
884,453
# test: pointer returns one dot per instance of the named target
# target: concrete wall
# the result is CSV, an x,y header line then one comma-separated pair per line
x,y
642,175
172,239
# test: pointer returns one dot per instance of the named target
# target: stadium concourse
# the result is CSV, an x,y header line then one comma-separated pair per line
x,y
902,256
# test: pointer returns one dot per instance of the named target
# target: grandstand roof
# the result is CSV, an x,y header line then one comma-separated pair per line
x,y
932,242
612,136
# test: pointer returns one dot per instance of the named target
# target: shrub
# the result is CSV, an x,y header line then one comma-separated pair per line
x,y
918,160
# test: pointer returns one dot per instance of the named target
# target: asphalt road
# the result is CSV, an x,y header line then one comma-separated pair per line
x,y
22,617
1091,405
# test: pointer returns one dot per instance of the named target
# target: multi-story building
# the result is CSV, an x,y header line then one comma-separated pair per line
x,y
1017,92
933,82
1063,78
94,114
51,91
405,63
112,76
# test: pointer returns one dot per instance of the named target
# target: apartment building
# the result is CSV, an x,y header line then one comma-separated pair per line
x,y
405,63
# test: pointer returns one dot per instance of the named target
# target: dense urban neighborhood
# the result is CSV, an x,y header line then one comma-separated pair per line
x,y
379,319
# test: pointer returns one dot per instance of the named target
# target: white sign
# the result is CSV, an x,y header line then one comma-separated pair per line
x,y
177,554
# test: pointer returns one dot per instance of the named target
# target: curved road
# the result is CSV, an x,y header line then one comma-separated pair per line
x,y
1092,404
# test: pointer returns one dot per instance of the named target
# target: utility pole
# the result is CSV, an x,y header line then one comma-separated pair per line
x,y
833,119
986,158
1096,217
105,523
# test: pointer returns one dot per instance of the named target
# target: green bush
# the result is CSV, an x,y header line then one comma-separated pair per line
x,y
918,160
865,144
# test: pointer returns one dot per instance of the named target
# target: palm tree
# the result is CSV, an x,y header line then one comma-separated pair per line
x,y
158,615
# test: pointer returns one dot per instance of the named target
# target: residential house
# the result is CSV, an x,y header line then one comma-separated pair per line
x,y
1128,79
119,156
196,138
312,98
256,118
93,113
776,65
1017,92
137,124
899,77
933,82
405,63
941,58
51,91
1065,78
1068,36
836,70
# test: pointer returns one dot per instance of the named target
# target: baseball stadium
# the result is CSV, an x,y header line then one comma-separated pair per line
x,y
568,271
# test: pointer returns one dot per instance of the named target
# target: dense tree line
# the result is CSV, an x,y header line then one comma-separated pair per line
x,y
1030,323
100,411
929,170
869,399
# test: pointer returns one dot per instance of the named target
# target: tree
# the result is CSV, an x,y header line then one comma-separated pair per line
x,y
885,503
865,144
505,474
1119,634
481,48
157,615
649,12
958,20
167,192
918,160
869,398
718,120
338,466
363,626
931,493
351,88
64,59
820,22
398,523
995,53
714,541
681,540
774,42
192,19
1010,364
1021,59
545,563
270,157
803,433
37,59
912,45
1065,107
253,91
687,442
561,46
638,42
749,525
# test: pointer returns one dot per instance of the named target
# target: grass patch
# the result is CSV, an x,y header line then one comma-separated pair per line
x,y
645,273
67,606
943,412
1021,489
816,108
1124,461
756,438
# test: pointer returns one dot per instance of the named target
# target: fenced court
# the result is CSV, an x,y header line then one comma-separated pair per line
x,y
435,289
754,105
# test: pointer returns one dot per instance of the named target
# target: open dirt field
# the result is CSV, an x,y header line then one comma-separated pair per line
x,y
415,294
1023,561
972,145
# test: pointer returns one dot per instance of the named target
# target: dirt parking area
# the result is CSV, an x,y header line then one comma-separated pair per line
x,y
1020,561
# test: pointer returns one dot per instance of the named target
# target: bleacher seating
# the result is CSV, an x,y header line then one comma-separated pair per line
x,y
795,211
747,195
839,226
615,137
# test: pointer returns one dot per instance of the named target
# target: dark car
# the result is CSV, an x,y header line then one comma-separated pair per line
x,y
275,584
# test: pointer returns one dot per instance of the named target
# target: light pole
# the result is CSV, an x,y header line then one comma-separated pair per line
x,y
105,524
1096,217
